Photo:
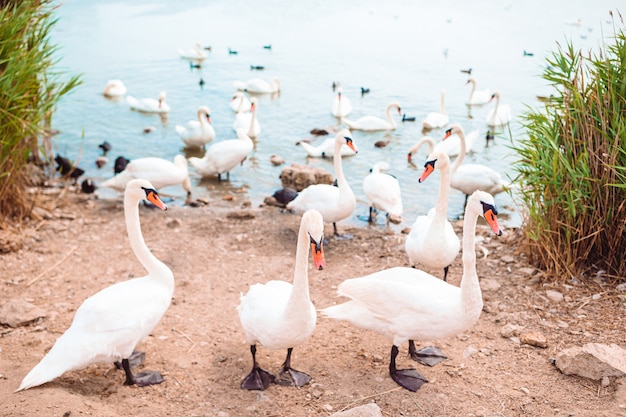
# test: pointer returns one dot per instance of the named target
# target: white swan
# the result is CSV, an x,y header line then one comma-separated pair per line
x,y
326,149
432,241
160,172
452,145
477,97
434,120
499,115
114,88
248,120
259,86
195,54
197,133
149,105
335,203
279,315
239,102
382,192
409,304
108,325
223,156
468,178
373,123
341,106
425,140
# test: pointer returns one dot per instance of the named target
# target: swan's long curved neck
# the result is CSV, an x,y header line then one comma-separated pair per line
x,y
472,91
138,245
300,291
459,159
252,120
341,178
470,288
441,207
389,118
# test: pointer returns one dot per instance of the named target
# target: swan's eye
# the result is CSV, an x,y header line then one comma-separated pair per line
x,y
487,207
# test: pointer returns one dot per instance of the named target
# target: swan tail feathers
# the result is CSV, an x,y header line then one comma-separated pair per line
x,y
53,365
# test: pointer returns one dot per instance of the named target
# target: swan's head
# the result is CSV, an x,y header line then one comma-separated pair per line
x,y
483,204
415,148
496,95
253,104
436,160
456,129
471,80
313,224
396,106
237,96
140,189
345,137
206,112
162,96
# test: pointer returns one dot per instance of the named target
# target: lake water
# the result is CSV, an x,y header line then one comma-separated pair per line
x,y
405,51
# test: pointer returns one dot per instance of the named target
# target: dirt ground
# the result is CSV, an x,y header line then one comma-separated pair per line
x,y
218,250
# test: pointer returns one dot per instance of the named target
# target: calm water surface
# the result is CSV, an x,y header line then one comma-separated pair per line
x,y
403,51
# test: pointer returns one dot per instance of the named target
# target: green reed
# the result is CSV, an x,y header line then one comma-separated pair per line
x,y
572,166
30,87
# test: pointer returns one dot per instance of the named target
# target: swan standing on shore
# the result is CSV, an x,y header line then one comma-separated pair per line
x,y
406,304
468,178
223,156
280,315
382,192
160,172
432,241
108,325
197,133
373,123
335,203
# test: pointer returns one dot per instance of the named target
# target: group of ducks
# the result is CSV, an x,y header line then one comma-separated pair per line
x,y
402,303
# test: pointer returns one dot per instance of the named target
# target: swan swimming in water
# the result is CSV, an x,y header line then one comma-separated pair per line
x,y
374,123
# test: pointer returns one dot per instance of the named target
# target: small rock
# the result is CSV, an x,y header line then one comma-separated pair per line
x,y
241,215
277,160
510,330
19,312
507,259
367,410
534,339
554,296
593,360
605,381
173,223
471,350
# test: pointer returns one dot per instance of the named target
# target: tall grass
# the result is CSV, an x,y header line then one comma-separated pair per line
x,y
572,167
29,89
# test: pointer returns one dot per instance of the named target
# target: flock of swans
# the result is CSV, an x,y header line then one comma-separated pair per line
x,y
405,304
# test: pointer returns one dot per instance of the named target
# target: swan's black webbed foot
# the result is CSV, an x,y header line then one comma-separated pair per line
x,y
257,379
292,378
429,355
141,379
136,358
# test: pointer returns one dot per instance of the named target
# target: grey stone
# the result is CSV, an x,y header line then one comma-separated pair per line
x,y
593,360
299,176
367,410
19,312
